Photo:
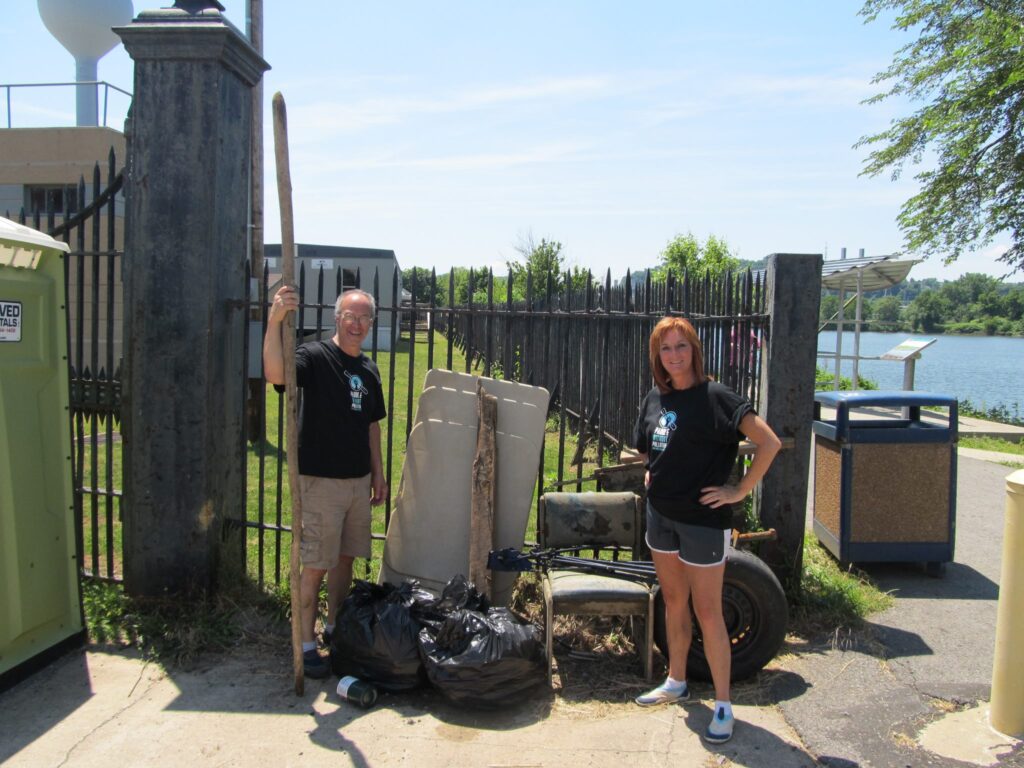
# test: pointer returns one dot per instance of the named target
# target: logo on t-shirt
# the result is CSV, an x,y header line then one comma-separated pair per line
x,y
357,390
666,426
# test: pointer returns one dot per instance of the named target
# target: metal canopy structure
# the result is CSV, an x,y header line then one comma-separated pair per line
x,y
859,275
869,273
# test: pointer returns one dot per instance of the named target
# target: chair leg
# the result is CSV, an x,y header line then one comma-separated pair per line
x,y
549,621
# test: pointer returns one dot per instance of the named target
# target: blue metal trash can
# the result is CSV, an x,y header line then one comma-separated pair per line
x,y
884,479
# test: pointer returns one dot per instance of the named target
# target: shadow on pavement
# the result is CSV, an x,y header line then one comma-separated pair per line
x,y
328,735
534,707
779,684
895,643
751,744
73,673
836,762
960,582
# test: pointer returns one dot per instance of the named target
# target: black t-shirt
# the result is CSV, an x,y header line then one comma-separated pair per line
x,y
341,397
691,438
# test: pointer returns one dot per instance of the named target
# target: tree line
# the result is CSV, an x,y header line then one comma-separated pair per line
x,y
972,304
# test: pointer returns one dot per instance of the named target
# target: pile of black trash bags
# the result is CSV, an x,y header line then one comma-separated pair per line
x,y
399,637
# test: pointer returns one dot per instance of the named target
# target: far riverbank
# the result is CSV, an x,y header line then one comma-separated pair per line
x,y
988,371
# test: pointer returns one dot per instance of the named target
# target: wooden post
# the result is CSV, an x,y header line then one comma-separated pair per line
x,y
481,523
284,193
787,383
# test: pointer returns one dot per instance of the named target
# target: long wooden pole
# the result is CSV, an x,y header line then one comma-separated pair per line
x,y
284,193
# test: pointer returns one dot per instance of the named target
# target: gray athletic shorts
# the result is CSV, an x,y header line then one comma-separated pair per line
x,y
693,544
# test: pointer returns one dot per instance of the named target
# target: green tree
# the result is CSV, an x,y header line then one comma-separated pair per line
x,y
537,260
423,287
969,288
1013,304
927,311
478,287
829,307
685,253
579,278
966,68
887,310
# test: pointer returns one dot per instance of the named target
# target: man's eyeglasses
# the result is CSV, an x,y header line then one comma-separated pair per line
x,y
352,317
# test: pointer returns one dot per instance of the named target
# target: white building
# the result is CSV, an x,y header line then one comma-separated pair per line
x,y
373,270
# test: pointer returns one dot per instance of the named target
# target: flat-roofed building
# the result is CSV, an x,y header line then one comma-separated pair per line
x,y
348,267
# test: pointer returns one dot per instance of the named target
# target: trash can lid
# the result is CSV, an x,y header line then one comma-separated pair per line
x,y
882,397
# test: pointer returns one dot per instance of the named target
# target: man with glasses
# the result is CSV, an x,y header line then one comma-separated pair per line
x,y
340,470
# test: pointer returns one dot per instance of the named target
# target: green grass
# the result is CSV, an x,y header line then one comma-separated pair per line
x,y
100,477
176,631
832,598
992,444
824,379
999,445
272,547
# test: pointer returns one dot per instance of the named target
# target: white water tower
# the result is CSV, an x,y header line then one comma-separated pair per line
x,y
84,28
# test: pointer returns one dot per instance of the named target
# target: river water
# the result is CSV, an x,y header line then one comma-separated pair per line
x,y
986,370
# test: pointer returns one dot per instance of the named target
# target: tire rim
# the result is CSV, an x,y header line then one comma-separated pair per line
x,y
742,619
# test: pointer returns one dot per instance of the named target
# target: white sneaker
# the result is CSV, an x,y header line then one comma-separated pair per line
x,y
719,730
664,695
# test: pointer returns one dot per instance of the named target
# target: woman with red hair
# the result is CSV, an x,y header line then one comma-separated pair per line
x,y
688,434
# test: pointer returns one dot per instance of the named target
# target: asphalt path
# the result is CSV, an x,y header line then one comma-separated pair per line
x,y
868,695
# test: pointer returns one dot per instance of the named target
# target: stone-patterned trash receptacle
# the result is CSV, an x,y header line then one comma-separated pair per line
x,y
884,479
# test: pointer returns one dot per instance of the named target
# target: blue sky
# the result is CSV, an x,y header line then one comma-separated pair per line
x,y
451,131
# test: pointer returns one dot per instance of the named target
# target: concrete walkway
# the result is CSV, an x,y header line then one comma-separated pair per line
x,y
107,708
909,689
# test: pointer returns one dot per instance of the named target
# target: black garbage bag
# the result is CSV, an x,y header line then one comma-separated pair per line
x,y
486,660
459,593
376,635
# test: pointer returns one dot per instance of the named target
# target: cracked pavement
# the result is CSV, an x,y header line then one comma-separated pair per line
x,y
858,700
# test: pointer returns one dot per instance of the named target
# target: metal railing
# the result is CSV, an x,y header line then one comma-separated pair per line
x,y
107,88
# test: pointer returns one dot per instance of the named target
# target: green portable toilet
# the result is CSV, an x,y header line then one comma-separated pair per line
x,y
40,606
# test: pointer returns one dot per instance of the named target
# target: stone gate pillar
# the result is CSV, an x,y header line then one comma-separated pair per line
x,y
185,293
787,380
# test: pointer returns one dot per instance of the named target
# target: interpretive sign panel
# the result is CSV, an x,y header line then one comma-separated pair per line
x,y
907,349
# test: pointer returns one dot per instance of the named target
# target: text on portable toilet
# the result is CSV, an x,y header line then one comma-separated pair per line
x,y
10,321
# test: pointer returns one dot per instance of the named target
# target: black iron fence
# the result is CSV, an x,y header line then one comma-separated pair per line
x,y
587,345
585,341
92,272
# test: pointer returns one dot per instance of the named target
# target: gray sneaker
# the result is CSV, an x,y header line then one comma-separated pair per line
x,y
720,729
664,695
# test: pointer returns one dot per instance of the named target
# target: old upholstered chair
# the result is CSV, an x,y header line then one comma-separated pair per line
x,y
597,520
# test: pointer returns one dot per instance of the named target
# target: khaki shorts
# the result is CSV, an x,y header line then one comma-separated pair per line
x,y
335,519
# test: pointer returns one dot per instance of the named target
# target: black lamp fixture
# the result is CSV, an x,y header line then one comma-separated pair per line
x,y
197,6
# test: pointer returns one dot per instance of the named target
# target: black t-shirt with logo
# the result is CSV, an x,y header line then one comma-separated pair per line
x,y
691,438
341,397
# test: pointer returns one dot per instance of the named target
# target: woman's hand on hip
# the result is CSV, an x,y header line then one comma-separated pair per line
x,y
715,496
